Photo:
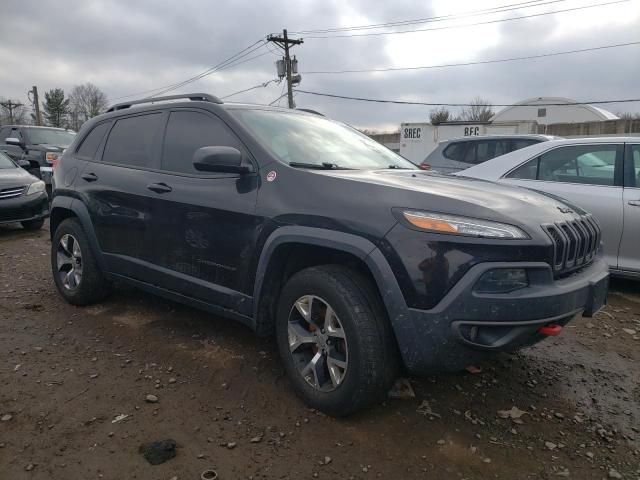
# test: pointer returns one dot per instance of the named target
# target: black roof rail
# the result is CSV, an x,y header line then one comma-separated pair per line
x,y
308,110
194,97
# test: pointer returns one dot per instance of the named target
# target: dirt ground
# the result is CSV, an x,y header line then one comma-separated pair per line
x,y
68,374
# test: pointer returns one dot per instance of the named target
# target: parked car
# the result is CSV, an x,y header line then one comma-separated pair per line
x,y
40,146
298,225
601,175
22,196
464,152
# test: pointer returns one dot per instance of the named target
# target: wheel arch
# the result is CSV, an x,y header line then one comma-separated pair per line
x,y
308,246
65,207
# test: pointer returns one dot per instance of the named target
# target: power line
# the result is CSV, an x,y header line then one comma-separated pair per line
x,y
251,88
221,66
480,62
455,104
487,22
209,70
440,18
282,94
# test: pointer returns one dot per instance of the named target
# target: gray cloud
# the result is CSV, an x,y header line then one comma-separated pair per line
x,y
132,46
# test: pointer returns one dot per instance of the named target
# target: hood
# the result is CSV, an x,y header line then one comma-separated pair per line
x,y
49,147
15,177
467,196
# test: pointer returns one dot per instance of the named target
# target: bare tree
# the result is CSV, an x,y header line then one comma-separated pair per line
x,y
479,110
628,115
12,112
440,115
86,101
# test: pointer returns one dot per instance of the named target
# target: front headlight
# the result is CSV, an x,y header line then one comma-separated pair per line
x,y
36,187
456,225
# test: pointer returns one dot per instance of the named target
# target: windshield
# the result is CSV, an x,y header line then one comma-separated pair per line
x,y
59,138
5,162
314,141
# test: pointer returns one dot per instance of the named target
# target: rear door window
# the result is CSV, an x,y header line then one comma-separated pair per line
x,y
488,149
480,151
187,131
132,141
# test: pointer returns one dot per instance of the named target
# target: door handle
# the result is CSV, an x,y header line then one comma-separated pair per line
x,y
89,177
159,188
635,203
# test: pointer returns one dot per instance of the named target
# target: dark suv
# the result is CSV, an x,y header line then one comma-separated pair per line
x,y
293,224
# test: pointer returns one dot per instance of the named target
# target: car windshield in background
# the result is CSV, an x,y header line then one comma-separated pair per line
x,y
313,141
5,162
59,138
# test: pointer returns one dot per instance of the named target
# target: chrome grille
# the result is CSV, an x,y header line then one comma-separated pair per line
x,y
11,192
575,242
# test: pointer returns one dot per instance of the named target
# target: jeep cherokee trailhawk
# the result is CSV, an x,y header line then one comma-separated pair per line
x,y
302,227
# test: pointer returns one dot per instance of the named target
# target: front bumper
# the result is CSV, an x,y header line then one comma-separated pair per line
x,y
24,208
465,325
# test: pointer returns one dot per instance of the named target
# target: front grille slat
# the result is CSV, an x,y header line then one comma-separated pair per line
x,y
584,240
11,192
575,243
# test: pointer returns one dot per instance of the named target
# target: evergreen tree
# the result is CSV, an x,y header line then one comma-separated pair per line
x,y
55,107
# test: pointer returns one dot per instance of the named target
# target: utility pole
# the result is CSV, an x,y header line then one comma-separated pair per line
x,y
10,105
292,76
36,103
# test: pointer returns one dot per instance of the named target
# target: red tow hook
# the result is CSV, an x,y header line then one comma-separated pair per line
x,y
550,330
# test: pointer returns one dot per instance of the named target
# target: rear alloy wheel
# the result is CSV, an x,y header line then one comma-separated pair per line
x,y
69,262
335,340
75,270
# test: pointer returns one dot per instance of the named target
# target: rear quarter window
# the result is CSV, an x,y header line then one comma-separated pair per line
x,y
91,142
455,151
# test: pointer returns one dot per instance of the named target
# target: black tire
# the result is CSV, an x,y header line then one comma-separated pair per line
x,y
32,224
93,286
372,352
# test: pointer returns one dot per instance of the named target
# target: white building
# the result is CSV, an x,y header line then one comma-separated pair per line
x,y
537,109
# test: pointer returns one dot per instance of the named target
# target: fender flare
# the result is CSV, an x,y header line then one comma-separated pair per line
x,y
81,212
360,247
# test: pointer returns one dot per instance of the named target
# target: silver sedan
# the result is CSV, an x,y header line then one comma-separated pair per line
x,y
600,175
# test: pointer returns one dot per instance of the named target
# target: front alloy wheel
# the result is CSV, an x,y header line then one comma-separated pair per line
x,y
317,343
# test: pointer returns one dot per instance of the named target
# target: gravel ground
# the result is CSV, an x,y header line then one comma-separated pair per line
x,y
81,389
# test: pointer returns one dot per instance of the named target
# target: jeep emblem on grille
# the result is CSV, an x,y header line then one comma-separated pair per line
x,y
565,210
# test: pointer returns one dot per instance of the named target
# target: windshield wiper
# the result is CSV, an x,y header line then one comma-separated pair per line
x,y
317,166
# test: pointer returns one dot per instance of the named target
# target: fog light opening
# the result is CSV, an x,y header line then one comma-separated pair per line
x,y
502,280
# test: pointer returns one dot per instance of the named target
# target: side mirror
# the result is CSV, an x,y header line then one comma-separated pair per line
x,y
219,159
13,141
24,164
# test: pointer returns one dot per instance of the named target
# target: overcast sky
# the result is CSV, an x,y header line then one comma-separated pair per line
x,y
126,47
